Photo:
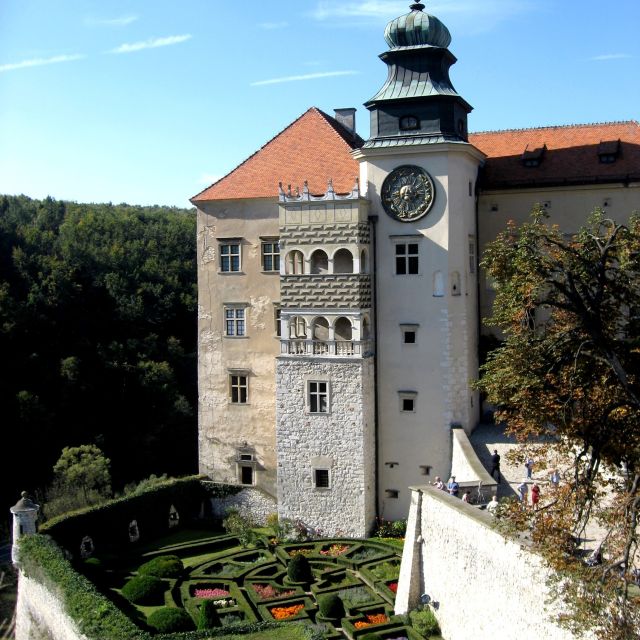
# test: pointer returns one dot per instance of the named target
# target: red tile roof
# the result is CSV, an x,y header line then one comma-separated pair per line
x,y
315,148
571,155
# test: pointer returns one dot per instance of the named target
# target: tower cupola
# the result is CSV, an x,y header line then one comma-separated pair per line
x,y
417,104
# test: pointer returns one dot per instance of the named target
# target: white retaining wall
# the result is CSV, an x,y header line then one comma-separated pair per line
x,y
255,503
485,585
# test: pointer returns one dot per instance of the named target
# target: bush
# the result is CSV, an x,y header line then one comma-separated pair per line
x,y
241,526
299,569
207,616
169,620
331,606
423,620
162,567
399,528
144,590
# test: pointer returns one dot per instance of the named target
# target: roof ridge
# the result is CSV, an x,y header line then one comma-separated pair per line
x,y
256,152
558,126
334,124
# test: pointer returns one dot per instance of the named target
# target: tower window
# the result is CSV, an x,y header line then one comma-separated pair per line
x,y
318,396
407,258
409,123
391,493
409,333
407,401
321,479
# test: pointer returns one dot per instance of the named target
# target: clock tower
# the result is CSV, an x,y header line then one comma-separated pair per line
x,y
420,172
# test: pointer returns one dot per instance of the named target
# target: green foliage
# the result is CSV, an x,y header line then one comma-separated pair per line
x,y
369,636
390,528
97,306
331,606
169,620
424,621
144,485
169,566
299,569
144,590
241,526
386,571
207,616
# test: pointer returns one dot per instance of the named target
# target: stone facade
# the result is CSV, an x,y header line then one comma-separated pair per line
x,y
343,291
340,441
250,502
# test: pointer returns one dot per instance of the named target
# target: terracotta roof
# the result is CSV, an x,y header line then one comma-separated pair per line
x,y
566,155
315,148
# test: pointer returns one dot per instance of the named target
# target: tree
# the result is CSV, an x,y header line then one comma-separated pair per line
x,y
568,371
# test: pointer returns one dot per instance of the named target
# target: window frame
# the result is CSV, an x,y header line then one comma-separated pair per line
x,y
273,254
236,387
226,263
409,259
315,396
236,321
323,471
408,396
407,329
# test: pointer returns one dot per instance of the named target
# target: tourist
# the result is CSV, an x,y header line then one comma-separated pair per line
x,y
438,484
495,465
555,479
535,496
466,496
453,487
529,467
492,507
523,490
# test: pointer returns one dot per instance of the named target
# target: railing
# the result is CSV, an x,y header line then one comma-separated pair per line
x,y
335,348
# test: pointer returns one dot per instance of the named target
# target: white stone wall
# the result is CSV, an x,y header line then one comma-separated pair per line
x,y
486,586
343,440
250,502
40,615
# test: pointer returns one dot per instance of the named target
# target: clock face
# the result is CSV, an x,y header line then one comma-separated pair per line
x,y
408,193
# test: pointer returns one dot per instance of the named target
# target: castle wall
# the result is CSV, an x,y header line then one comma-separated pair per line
x,y
341,441
485,585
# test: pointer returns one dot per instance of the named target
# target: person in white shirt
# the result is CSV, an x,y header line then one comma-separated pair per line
x,y
492,507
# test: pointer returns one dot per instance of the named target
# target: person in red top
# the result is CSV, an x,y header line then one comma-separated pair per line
x,y
535,495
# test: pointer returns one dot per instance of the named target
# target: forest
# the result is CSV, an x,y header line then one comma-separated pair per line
x,y
97,339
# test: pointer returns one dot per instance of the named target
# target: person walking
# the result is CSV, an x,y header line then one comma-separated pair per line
x,y
492,507
535,496
453,487
523,490
555,479
529,467
495,465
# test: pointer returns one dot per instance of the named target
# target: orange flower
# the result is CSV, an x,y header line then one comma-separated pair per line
x,y
282,613
371,619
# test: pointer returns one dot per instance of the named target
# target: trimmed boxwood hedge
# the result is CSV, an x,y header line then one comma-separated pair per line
x,y
170,620
144,590
169,566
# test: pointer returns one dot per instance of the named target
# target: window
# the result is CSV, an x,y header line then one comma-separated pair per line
x,y
318,397
230,257
246,475
407,401
234,325
391,493
295,262
277,318
271,256
472,255
238,387
406,258
409,333
321,479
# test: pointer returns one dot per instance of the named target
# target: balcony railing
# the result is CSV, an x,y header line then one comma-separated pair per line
x,y
329,348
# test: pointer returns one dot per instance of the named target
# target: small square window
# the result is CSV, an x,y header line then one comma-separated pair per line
x,y
246,457
321,479
271,256
238,389
318,397
408,404
409,333
234,322
391,493
407,255
408,401
230,257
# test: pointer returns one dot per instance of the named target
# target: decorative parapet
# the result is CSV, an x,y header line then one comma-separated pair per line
x,y
296,196
343,291
328,348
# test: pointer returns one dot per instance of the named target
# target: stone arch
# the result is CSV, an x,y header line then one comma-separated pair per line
x,y
294,264
343,329
134,531
343,261
320,329
174,517
319,262
438,284
87,547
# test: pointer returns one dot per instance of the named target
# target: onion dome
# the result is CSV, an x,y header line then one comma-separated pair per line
x,y
417,29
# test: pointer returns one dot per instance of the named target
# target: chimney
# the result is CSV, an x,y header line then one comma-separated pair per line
x,y
347,118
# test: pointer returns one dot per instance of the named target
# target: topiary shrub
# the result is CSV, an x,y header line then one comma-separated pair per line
x,y
207,616
170,620
423,620
299,569
369,636
162,567
144,590
331,606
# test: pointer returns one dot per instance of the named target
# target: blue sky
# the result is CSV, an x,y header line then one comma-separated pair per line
x,y
149,101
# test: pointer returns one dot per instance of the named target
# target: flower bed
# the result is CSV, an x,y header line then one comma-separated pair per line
x,y
393,587
334,550
268,591
210,593
370,620
285,613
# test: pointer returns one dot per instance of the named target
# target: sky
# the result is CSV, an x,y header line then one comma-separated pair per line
x,y
150,101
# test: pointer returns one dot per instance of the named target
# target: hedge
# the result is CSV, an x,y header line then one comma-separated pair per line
x,y
170,619
165,566
147,590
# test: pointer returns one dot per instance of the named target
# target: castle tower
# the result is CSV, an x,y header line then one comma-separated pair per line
x,y
25,514
325,372
419,173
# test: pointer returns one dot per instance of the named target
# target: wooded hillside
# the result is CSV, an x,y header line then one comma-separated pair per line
x,y
97,338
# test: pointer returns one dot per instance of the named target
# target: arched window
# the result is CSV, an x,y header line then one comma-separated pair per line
x,y
363,262
343,329
297,328
295,262
321,329
343,261
319,262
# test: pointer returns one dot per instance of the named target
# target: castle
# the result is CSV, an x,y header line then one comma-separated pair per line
x,y
340,298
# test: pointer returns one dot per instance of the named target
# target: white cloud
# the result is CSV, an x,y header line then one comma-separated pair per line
x,y
308,76
273,25
612,56
151,43
327,9
122,21
38,62
209,178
